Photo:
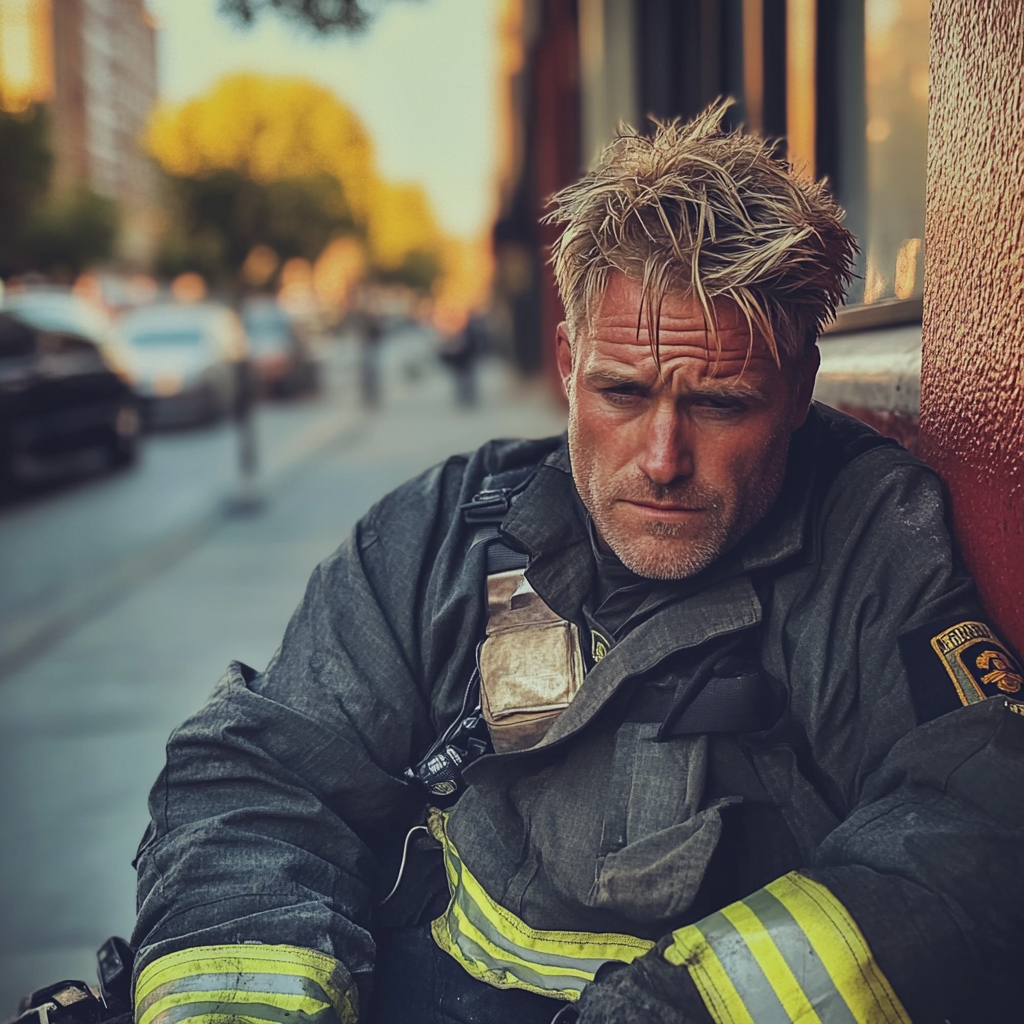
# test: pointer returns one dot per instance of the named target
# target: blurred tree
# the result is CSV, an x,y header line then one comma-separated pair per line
x,y
74,230
266,129
419,270
217,220
280,162
26,164
404,237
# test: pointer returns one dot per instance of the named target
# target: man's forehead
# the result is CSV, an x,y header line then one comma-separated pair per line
x,y
622,303
619,331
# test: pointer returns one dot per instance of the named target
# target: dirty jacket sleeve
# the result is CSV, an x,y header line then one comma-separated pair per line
x,y
910,909
280,797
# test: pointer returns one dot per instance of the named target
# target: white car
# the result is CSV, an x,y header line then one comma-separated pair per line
x,y
184,360
53,308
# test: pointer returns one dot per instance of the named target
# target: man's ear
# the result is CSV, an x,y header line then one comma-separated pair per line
x,y
563,355
805,386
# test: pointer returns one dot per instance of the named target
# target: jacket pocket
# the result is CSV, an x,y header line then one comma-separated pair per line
x,y
657,840
531,666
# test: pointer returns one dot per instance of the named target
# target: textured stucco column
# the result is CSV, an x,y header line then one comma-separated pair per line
x,y
972,379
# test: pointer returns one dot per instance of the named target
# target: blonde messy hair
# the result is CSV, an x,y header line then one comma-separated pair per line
x,y
705,212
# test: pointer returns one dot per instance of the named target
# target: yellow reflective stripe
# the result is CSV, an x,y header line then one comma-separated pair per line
x,y
284,979
466,927
724,1003
843,949
250,958
767,956
582,945
289,1003
222,1018
492,944
788,953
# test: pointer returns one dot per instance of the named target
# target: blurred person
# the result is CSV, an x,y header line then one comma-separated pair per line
x,y
689,715
369,324
459,350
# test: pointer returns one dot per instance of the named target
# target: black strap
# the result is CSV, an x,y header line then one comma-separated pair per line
x,y
726,692
488,507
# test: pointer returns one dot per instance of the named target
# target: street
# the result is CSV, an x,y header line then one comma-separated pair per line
x,y
108,661
65,549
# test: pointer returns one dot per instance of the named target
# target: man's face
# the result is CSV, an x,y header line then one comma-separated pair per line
x,y
675,467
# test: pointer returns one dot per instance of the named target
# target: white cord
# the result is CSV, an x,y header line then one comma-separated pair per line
x,y
401,867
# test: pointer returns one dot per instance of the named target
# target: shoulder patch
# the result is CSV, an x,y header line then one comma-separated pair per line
x,y
953,662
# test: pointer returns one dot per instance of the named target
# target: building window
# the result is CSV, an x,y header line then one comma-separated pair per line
x,y
845,80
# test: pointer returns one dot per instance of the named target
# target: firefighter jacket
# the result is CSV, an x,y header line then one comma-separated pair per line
x,y
845,852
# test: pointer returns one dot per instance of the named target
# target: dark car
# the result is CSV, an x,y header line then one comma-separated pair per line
x,y
280,355
59,398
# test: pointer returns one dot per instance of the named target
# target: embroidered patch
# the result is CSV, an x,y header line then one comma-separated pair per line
x,y
599,645
966,653
977,662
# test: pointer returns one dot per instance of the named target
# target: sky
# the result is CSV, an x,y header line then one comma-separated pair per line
x,y
422,78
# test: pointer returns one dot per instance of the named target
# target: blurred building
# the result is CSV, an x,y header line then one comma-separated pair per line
x,y
843,82
93,63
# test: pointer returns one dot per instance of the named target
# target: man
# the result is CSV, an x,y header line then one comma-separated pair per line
x,y
739,762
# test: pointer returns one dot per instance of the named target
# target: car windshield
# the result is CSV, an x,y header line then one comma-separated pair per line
x,y
184,338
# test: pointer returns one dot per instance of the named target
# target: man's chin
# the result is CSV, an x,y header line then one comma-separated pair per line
x,y
664,558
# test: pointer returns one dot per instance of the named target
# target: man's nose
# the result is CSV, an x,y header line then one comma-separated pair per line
x,y
666,452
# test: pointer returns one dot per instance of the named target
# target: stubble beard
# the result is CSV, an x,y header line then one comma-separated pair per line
x,y
660,550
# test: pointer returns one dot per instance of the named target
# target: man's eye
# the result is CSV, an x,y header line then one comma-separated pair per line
x,y
726,406
622,393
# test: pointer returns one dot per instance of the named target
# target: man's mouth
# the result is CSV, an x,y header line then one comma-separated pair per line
x,y
662,508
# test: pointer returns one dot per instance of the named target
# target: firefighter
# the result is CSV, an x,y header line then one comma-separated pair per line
x,y
691,715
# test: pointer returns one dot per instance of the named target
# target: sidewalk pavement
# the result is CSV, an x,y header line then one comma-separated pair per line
x,y
82,727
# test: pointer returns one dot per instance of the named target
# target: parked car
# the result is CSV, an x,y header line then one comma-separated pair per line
x,y
60,397
184,360
281,356
55,308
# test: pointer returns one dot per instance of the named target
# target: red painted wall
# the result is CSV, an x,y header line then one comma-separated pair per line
x,y
556,114
972,381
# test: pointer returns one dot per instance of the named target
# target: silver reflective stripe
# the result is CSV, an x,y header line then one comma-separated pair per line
x,y
743,970
494,945
806,965
788,954
252,984
518,959
480,921
234,1010
275,984
516,968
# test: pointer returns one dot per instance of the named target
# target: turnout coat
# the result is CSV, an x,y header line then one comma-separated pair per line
x,y
871,811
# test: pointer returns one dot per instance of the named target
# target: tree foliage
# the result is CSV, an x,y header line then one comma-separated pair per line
x,y
26,164
281,162
218,219
322,15
58,233
76,229
266,129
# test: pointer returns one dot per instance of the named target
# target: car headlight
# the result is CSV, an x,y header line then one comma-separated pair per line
x,y
120,365
167,383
